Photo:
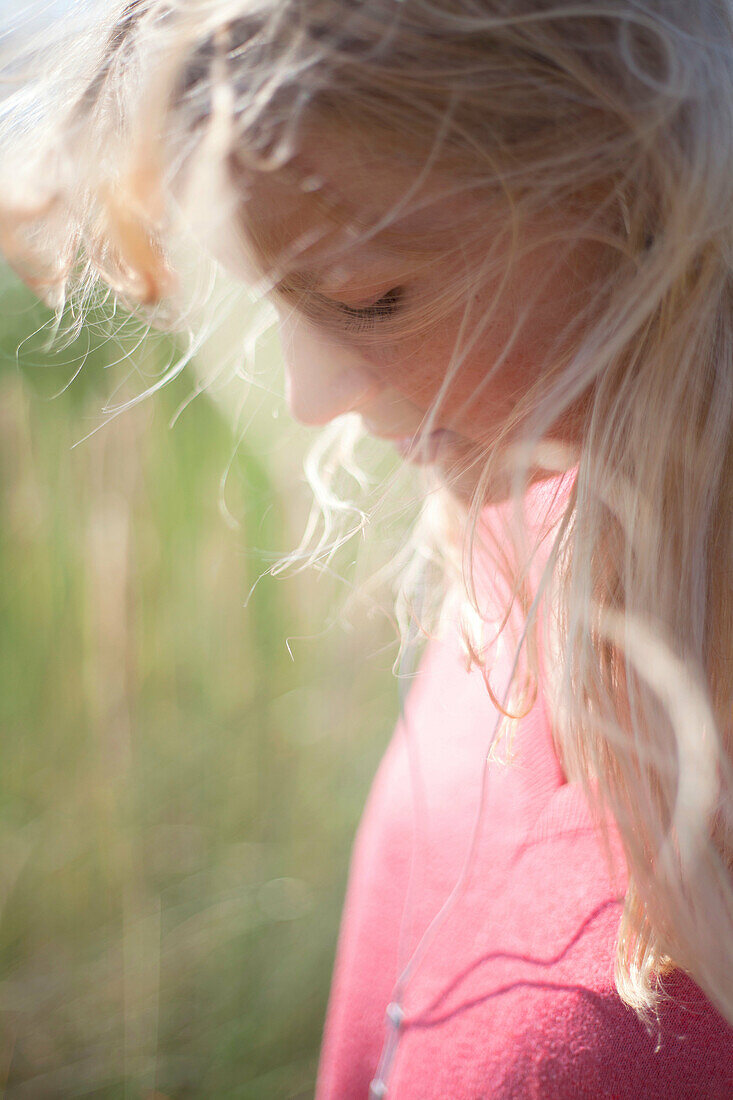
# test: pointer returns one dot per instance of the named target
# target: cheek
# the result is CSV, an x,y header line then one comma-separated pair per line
x,y
415,365
479,395
524,331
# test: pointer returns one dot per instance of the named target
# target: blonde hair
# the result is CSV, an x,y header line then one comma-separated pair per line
x,y
615,116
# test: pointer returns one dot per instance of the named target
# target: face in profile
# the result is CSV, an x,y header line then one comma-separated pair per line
x,y
412,314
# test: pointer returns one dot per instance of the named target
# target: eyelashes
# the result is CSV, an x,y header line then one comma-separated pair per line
x,y
362,318
337,316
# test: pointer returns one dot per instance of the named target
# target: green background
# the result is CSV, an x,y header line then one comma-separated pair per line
x,y
178,794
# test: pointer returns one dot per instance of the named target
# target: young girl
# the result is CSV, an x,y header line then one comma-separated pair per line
x,y
499,235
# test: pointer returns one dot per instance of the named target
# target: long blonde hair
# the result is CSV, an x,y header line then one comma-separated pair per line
x,y
616,115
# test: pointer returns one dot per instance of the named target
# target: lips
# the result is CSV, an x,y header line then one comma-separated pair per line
x,y
421,448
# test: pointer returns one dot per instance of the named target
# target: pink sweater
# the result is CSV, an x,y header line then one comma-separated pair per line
x,y
514,996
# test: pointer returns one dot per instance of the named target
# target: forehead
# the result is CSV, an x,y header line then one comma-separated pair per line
x,y
345,196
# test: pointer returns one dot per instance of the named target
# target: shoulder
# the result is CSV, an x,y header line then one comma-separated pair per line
x,y
583,1042
514,996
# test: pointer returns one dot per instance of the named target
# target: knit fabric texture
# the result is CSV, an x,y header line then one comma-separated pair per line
x,y
513,996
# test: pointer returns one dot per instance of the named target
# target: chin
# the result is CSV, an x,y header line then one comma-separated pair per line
x,y
461,469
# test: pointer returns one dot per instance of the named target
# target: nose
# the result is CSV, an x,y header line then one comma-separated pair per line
x,y
323,379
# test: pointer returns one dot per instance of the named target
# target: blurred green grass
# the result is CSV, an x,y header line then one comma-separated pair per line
x,y
177,795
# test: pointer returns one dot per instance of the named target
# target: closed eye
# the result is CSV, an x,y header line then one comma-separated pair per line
x,y
362,317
